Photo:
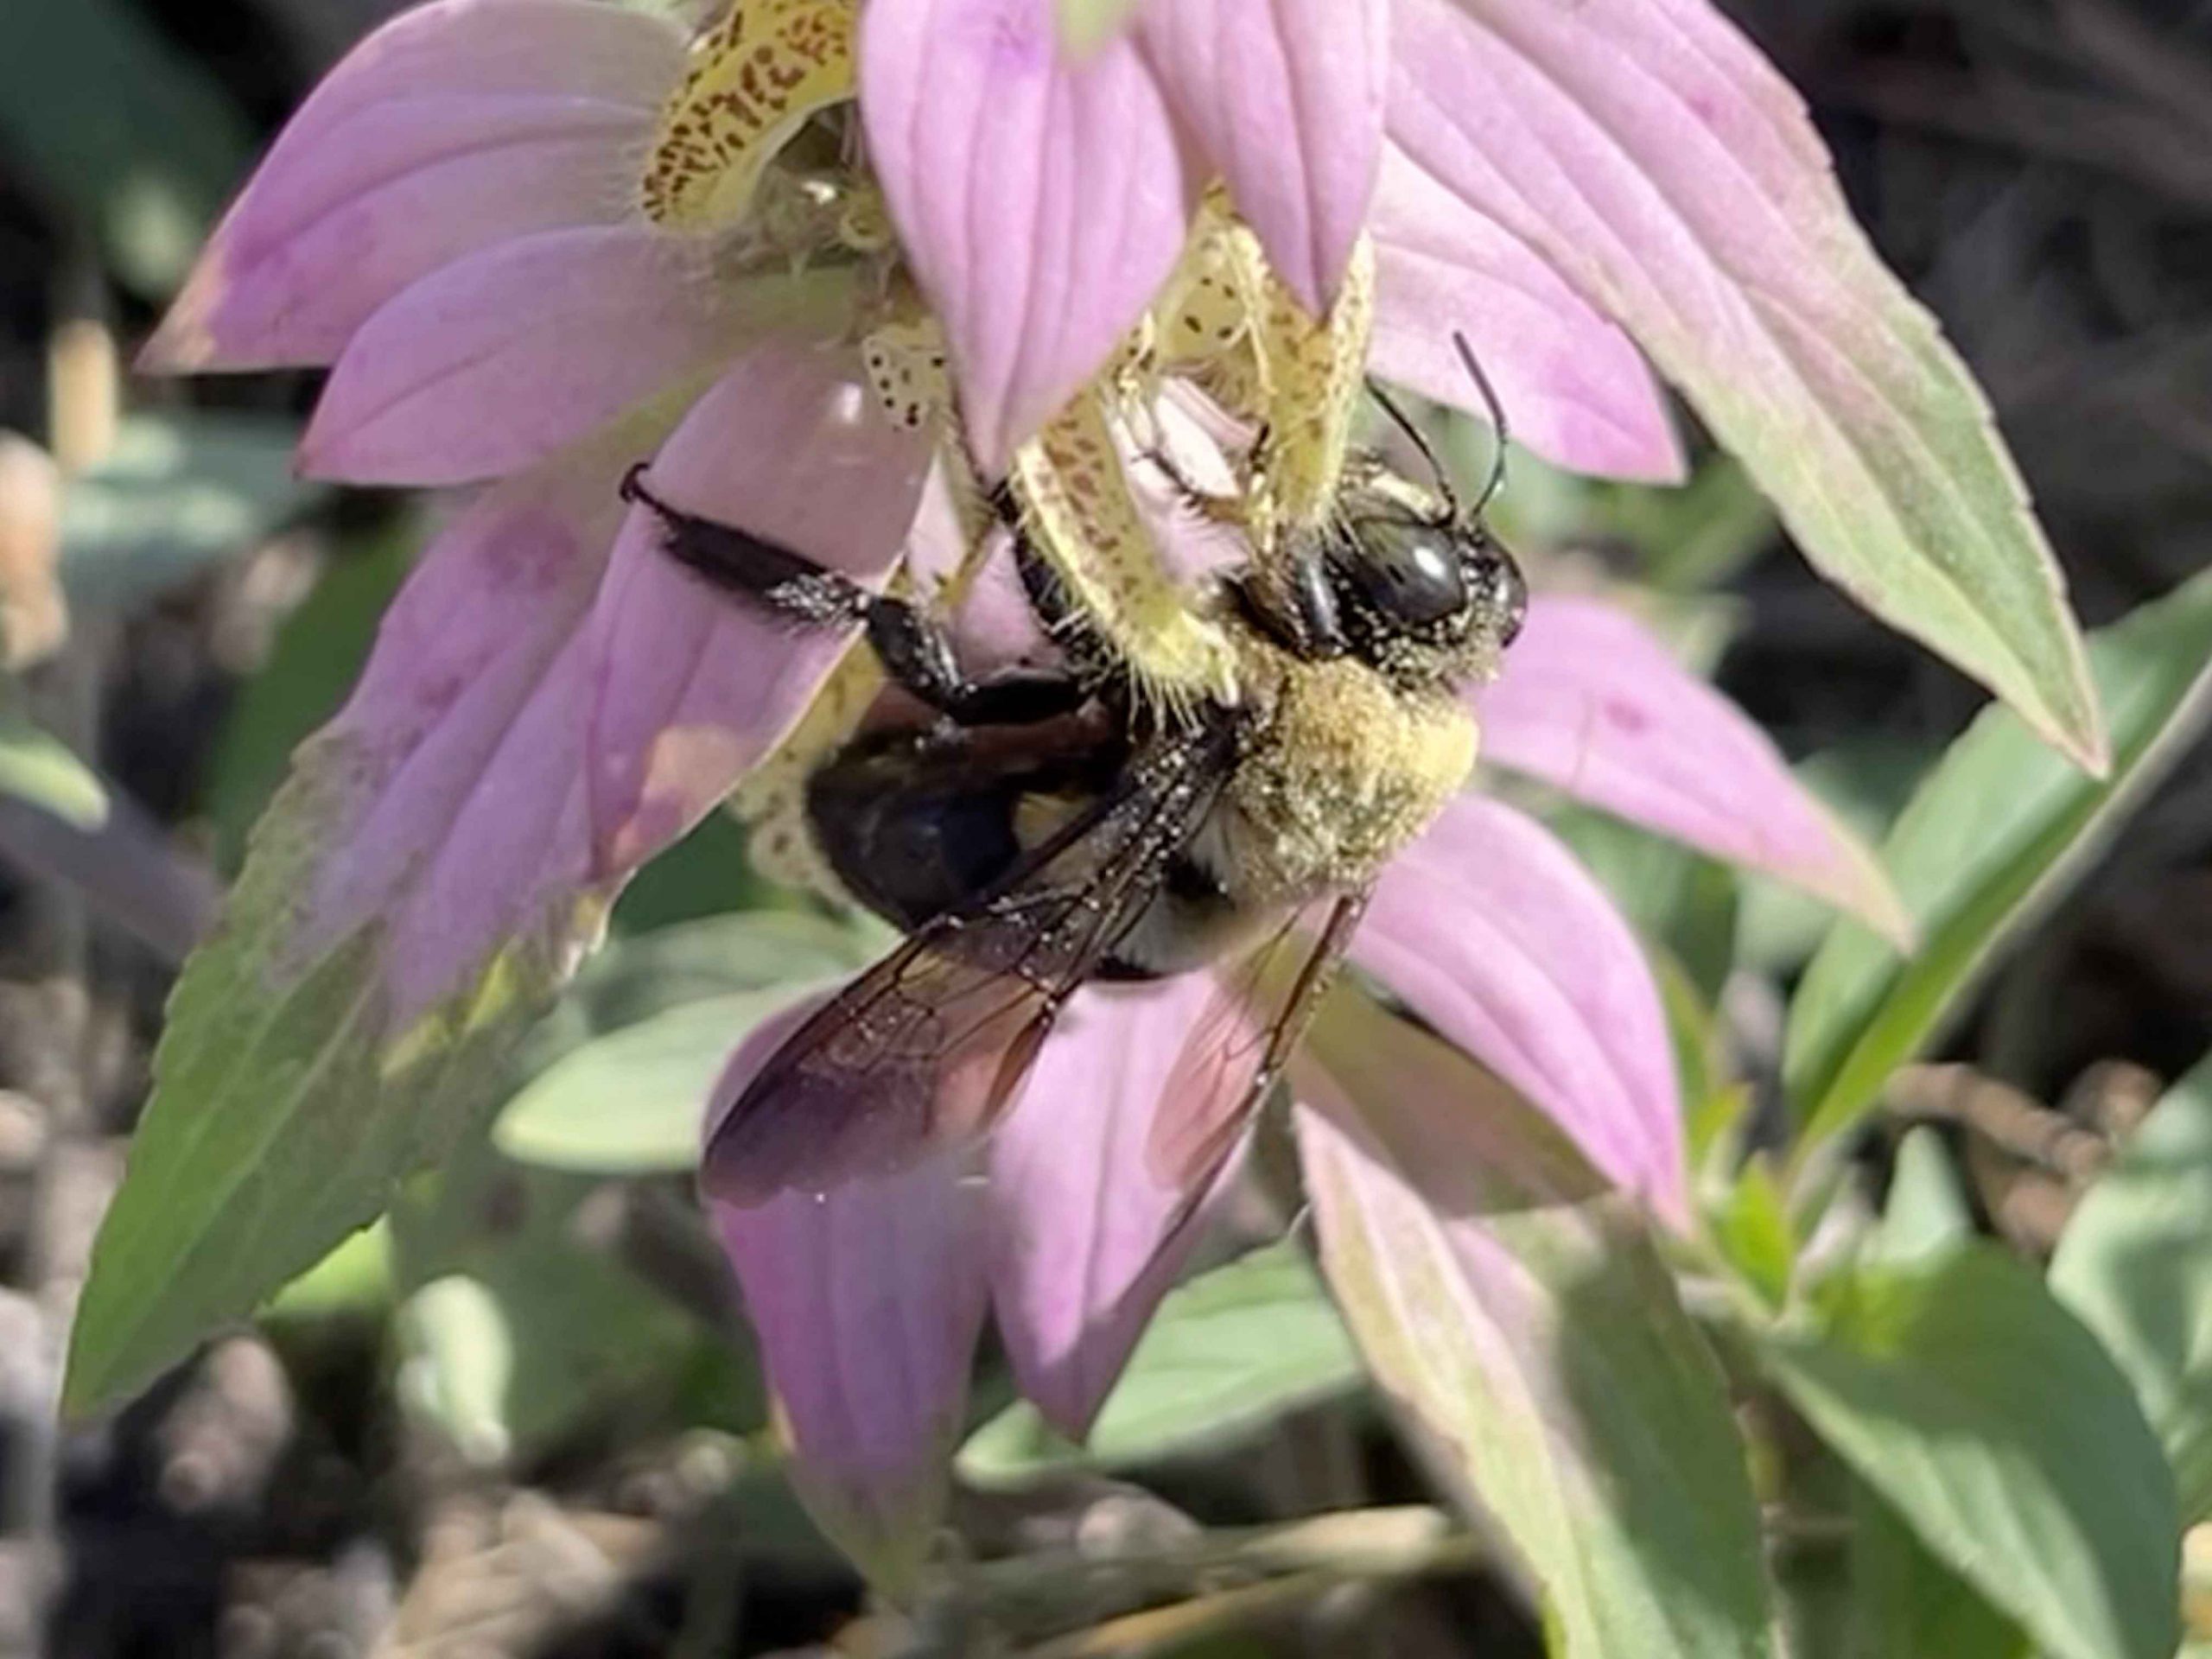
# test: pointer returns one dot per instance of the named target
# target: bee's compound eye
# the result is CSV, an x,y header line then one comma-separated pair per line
x,y
1408,574
1497,578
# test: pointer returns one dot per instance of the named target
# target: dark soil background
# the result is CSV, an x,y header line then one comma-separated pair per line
x,y
2039,170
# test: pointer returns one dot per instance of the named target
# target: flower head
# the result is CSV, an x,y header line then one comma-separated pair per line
x,y
813,262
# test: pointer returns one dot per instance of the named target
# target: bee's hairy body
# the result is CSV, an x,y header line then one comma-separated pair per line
x,y
1342,737
1336,769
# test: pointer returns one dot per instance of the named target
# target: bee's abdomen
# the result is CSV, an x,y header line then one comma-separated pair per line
x,y
910,849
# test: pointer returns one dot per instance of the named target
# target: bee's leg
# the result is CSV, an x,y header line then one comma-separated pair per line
x,y
1294,604
914,648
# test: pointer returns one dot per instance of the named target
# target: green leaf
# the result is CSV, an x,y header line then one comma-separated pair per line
x,y
1228,1354
177,494
1905,1602
124,130
317,657
630,1104
1998,831
1753,1228
1519,1312
40,768
2135,1262
1927,1212
1991,1423
284,1112
539,1339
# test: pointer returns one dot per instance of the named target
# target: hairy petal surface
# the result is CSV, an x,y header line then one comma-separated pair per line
x,y
1041,201
1285,97
457,126
1574,389
1494,934
868,1300
1590,700
690,685
1649,154
1085,1238
500,360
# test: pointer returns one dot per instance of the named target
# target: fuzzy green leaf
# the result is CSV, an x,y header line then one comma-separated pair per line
x,y
1993,835
1991,1423
1519,1314
2136,1264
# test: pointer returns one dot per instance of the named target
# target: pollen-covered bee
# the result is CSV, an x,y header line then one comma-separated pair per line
x,y
1052,826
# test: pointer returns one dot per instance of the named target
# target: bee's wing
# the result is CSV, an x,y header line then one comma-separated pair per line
x,y
1241,1043
927,1047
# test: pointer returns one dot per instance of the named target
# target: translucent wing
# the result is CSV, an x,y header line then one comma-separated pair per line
x,y
930,1045
1241,1043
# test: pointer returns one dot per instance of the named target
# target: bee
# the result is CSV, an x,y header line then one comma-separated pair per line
x,y
1051,826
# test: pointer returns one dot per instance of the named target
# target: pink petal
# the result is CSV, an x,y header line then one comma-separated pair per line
x,y
1591,701
464,741
1085,1239
1495,935
868,1300
1041,203
690,686
328,232
493,363
1573,387
1644,150
1285,97
454,126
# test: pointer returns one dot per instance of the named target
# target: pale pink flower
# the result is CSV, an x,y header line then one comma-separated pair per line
x,y
454,222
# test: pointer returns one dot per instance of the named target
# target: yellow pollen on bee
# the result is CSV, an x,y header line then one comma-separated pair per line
x,y
1347,774
755,78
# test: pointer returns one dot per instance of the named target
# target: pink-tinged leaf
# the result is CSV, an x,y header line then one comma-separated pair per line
x,y
1573,386
410,902
1086,1239
690,686
1522,1318
1645,151
1590,701
868,1300
500,360
1495,935
1041,202
456,125
466,732
1284,99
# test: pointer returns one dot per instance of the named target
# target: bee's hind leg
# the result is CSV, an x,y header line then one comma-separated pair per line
x,y
914,648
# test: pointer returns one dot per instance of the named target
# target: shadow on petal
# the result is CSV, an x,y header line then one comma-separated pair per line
x,y
1493,934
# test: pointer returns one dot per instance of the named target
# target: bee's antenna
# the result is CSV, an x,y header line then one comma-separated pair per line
x,y
1496,419
1400,419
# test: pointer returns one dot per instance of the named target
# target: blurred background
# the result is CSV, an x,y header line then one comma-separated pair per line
x,y
521,1419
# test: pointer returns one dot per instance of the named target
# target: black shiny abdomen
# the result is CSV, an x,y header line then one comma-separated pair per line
x,y
915,823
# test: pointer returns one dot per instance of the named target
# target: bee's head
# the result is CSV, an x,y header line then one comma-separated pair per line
x,y
1426,594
